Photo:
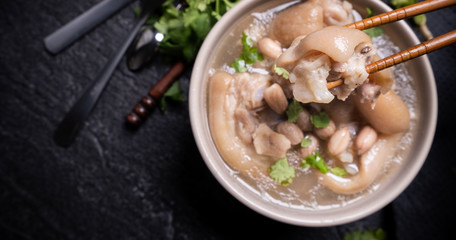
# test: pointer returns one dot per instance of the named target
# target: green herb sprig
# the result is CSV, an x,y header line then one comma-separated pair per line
x,y
248,56
315,160
320,120
184,31
281,72
282,172
173,93
378,234
293,110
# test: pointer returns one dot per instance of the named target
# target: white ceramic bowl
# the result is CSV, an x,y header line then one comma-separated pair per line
x,y
421,71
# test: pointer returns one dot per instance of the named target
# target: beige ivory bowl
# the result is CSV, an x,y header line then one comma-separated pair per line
x,y
420,70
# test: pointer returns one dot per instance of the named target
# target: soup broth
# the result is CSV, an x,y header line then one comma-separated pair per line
x,y
309,188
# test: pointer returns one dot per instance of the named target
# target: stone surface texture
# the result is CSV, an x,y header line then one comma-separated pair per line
x,y
116,183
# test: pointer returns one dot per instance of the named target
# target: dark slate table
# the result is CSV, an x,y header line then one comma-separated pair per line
x,y
115,183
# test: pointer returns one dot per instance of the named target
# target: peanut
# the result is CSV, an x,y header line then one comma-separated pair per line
x,y
339,141
325,133
291,131
276,99
269,48
306,151
365,139
304,121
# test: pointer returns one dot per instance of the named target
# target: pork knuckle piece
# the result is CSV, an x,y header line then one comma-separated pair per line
x,y
371,166
383,78
310,60
249,89
269,143
245,124
389,115
224,128
336,12
308,17
296,21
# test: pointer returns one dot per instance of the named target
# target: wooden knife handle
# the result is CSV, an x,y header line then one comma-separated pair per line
x,y
148,103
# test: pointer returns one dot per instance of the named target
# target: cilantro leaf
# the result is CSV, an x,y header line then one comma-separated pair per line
x,y
315,160
248,56
222,6
201,25
281,72
305,142
281,172
251,55
402,3
338,171
305,164
378,234
320,120
369,12
173,93
239,65
185,30
374,32
293,111
246,41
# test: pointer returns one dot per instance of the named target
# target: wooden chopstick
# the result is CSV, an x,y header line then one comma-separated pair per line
x,y
413,52
401,13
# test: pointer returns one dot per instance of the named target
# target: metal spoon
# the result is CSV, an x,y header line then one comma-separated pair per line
x,y
146,43
143,48
68,128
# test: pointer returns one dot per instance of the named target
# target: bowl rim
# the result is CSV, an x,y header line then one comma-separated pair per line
x,y
200,128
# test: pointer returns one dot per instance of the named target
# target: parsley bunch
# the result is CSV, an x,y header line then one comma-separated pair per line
x,y
185,30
